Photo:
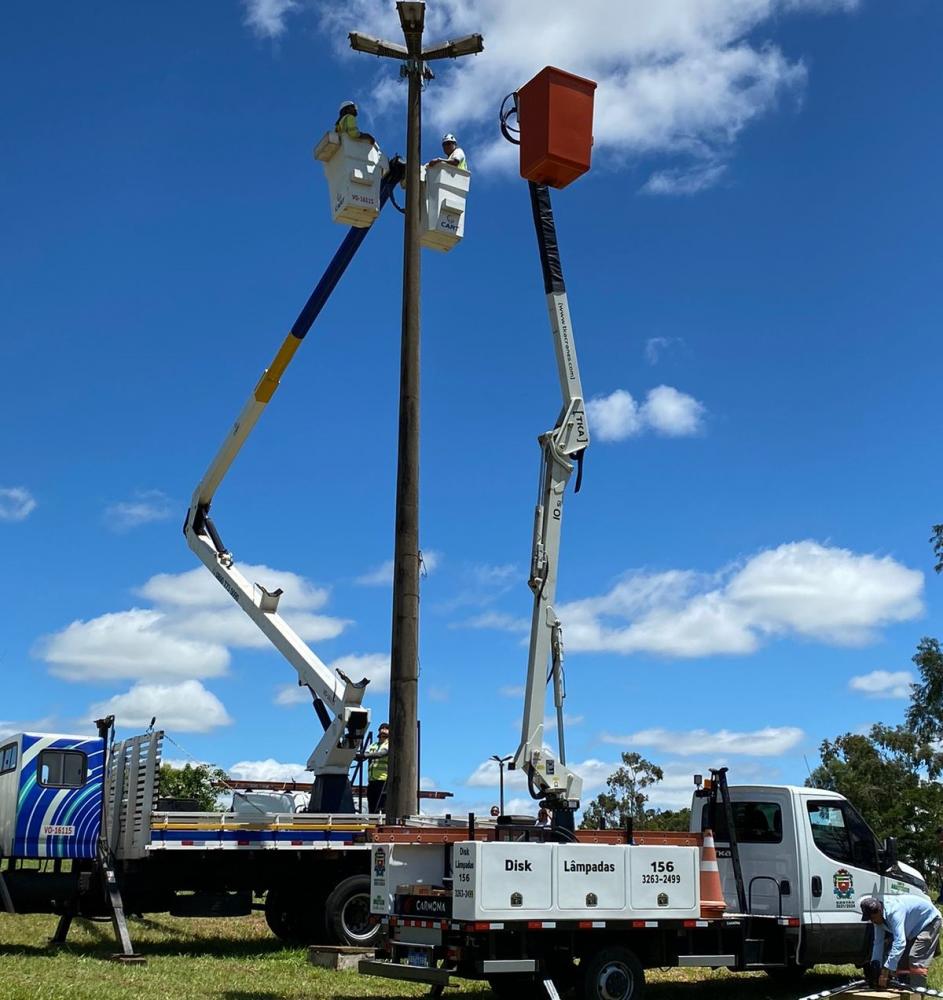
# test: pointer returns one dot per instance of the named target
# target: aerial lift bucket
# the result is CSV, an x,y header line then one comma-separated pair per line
x,y
555,114
444,190
353,168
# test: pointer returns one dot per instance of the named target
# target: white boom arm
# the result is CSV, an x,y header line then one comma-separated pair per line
x,y
337,699
561,448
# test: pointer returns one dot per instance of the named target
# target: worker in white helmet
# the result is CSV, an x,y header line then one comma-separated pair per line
x,y
346,123
454,154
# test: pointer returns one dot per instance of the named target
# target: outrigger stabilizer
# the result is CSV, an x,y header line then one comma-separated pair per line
x,y
337,699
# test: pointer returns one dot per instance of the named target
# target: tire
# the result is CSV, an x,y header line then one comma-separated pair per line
x,y
612,974
293,919
347,912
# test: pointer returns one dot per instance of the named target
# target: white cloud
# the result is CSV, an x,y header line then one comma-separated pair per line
x,y
672,413
801,590
197,588
667,411
146,507
883,684
489,575
185,707
656,346
292,694
131,643
48,724
768,742
357,666
511,691
379,576
495,620
614,417
16,503
190,631
685,180
673,792
268,770
374,666
266,18
382,575
681,80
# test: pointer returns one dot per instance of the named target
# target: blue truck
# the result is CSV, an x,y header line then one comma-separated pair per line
x,y
84,832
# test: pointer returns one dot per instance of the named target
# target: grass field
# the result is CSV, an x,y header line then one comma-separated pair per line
x,y
239,960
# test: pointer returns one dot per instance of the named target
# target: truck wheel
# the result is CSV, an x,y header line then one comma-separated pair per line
x,y
292,919
613,974
347,913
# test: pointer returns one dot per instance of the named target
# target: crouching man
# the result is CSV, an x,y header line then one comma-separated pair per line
x,y
913,924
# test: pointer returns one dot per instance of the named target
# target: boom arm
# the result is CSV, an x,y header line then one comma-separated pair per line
x,y
337,699
561,449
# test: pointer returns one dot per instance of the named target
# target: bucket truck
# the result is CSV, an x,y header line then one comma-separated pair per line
x,y
531,909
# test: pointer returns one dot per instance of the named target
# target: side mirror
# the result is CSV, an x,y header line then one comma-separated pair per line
x,y
890,853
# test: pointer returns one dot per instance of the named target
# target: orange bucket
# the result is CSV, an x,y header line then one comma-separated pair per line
x,y
555,114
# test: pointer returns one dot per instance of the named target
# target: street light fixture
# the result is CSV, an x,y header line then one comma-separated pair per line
x,y
376,46
467,45
501,761
403,779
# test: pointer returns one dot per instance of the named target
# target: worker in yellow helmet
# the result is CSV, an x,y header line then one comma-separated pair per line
x,y
378,754
346,123
454,154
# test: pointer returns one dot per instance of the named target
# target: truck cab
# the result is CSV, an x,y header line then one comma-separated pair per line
x,y
806,854
50,796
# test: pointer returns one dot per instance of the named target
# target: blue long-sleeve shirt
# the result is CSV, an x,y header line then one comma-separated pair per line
x,y
904,918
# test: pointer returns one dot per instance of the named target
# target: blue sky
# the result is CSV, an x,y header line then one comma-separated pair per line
x,y
753,267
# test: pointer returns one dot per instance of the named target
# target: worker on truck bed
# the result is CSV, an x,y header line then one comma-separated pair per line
x,y
378,754
913,923
346,123
454,154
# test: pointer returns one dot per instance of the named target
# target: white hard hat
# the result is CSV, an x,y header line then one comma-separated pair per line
x,y
448,137
347,104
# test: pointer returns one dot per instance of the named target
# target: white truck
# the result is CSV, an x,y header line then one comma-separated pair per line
x,y
519,906
530,908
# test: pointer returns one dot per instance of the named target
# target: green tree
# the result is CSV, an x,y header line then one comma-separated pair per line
x,y
890,773
192,781
925,715
669,819
626,798
936,540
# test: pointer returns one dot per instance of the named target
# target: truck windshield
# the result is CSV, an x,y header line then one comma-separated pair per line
x,y
840,833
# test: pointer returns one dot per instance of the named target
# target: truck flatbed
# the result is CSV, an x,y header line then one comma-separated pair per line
x,y
176,831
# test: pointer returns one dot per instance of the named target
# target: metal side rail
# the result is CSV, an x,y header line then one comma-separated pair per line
x,y
388,969
894,987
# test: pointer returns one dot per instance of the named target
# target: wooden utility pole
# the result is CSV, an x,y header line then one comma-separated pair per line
x,y
403,780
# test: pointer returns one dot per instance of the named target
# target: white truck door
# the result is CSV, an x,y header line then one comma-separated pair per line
x,y
766,834
841,861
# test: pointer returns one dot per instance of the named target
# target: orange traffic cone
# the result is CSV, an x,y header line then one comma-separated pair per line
x,y
712,891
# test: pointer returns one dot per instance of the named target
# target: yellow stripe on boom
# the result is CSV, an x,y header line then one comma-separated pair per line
x,y
268,383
